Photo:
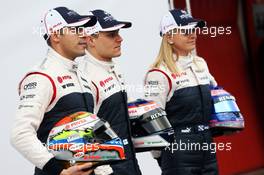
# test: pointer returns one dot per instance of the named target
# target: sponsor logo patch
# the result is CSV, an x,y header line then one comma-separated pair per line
x,y
27,96
104,82
178,75
67,85
63,78
109,88
31,85
25,106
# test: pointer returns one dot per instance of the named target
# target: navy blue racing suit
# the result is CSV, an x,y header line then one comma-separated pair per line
x,y
111,104
49,92
186,98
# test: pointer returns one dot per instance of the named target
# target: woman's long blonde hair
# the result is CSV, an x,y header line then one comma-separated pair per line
x,y
165,57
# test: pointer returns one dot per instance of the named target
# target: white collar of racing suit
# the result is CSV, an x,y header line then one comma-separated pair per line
x,y
184,61
109,66
52,55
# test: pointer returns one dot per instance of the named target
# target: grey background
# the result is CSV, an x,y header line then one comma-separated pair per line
x,y
22,47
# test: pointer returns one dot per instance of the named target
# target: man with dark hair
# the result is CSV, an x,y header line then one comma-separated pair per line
x,y
53,90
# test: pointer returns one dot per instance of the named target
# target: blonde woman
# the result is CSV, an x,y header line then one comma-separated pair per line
x,y
179,81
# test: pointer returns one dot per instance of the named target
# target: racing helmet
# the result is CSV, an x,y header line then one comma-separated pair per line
x,y
83,137
150,127
226,117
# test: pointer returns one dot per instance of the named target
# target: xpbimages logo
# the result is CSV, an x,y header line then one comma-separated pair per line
x,y
80,31
180,145
212,31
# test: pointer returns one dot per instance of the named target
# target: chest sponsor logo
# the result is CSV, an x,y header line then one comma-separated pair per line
x,y
109,88
182,81
153,82
67,85
27,96
199,71
25,106
178,75
63,78
31,85
204,78
148,94
106,81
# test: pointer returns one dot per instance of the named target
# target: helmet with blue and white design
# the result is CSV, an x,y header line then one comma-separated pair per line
x,y
226,116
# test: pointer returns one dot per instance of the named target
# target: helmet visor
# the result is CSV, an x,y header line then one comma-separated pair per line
x,y
103,132
155,121
225,105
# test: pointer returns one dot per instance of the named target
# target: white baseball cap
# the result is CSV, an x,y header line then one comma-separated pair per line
x,y
180,19
106,22
57,18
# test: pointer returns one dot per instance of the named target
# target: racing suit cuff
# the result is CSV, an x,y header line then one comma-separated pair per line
x,y
53,167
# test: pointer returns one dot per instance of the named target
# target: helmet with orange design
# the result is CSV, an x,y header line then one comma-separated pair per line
x,y
83,137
